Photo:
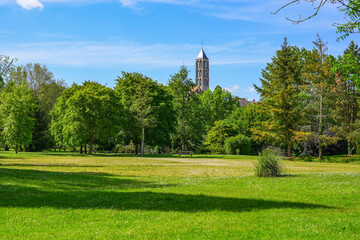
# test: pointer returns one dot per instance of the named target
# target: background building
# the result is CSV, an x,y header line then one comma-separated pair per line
x,y
202,71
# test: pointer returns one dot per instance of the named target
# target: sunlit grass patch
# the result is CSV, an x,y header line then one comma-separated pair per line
x,y
43,195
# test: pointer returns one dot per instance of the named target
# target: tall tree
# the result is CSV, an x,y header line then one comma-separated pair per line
x,y
86,114
347,70
143,110
16,109
190,124
148,111
281,95
46,89
317,73
6,67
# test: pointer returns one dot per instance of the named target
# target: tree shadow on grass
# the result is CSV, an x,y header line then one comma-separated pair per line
x,y
72,181
49,165
36,189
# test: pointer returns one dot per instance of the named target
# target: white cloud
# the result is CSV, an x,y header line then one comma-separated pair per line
x,y
233,88
249,90
124,53
30,4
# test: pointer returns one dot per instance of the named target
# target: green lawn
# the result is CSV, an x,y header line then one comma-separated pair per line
x,y
69,196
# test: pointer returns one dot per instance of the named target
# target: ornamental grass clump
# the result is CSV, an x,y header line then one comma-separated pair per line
x,y
268,164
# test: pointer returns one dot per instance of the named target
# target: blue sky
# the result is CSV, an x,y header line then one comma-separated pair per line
x,y
82,40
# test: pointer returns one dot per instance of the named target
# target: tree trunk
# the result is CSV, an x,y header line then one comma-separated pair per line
x,y
64,148
136,149
142,141
320,151
183,144
321,128
289,150
85,149
90,148
81,150
7,148
349,147
16,149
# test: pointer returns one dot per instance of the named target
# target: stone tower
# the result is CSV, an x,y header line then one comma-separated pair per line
x,y
202,71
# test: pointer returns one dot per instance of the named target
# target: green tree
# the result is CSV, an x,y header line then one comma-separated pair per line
x,y
16,109
243,119
190,125
217,105
346,110
6,67
46,89
86,114
142,109
216,136
238,144
320,79
148,110
281,96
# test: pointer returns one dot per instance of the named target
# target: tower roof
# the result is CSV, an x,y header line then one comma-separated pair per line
x,y
202,55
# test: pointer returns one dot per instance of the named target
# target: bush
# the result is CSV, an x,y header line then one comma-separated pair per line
x,y
238,145
123,149
268,164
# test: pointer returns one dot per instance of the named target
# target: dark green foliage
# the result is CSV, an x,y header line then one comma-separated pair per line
x,y
190,119
238,145
242,119
46,90
346,105
281,95
148,110
268,164
216,136
86,114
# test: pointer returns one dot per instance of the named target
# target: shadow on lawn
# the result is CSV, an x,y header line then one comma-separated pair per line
x,y
49,165
36,189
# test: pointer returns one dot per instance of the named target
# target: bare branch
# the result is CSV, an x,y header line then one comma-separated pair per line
x,y
317,9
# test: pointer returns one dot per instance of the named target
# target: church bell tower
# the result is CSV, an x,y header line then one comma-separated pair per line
x,y
202,71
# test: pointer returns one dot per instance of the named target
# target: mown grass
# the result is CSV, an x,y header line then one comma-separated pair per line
x,y
332,159
68,196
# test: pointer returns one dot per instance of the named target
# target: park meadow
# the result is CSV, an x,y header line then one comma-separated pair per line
x,y
253,141
64,195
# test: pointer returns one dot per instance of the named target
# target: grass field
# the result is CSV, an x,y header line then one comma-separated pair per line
x,y
69,196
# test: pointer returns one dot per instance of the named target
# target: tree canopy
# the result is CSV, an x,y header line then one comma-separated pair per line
x,y
86,114
280,91
16,111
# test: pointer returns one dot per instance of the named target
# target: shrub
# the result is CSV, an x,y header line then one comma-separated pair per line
x,y
239,144
123,149
268,164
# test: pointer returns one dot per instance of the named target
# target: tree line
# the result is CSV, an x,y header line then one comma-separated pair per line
x,y
308,106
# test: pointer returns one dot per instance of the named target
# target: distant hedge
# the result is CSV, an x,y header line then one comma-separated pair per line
x,y
238,145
